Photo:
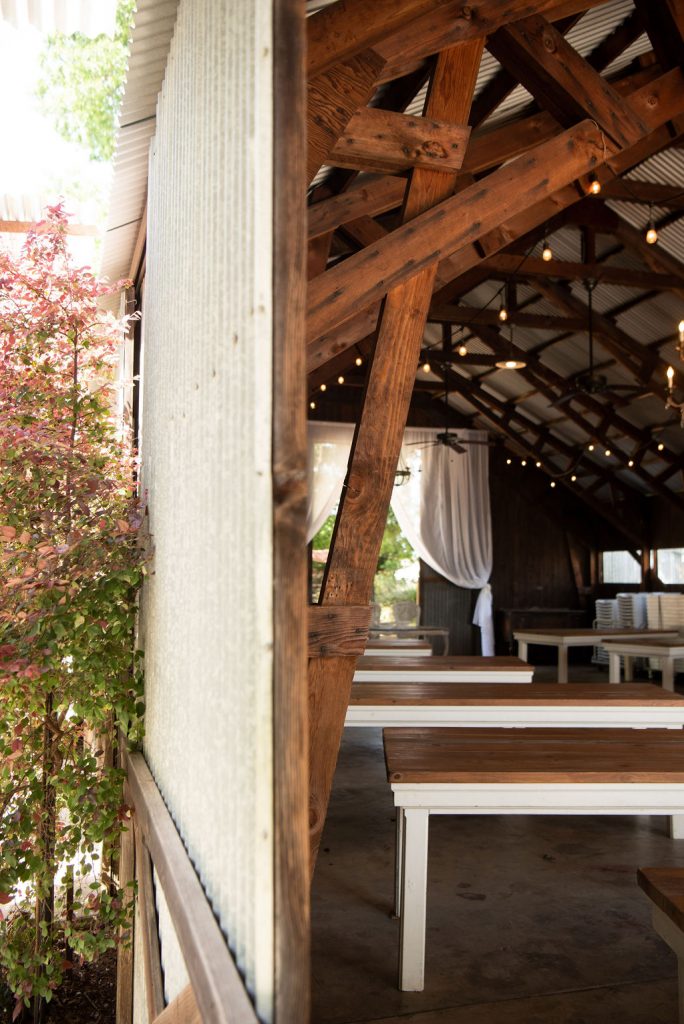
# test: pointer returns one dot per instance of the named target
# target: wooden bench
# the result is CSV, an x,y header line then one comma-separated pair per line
x,y
517,771
391,648
665,888
453,669
591,705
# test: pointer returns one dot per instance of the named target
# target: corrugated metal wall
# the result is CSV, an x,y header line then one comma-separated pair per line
x,y
206,446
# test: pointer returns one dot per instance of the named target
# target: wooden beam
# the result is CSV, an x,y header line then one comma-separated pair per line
x,y
382,140
362,514
124,959
349,26
452,225
467,315
648,192
663,98
338,630
332,99
365,199
150,948
563,82
663,23
506,264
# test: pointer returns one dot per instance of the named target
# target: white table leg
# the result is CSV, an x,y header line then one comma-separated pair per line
x,y
667,673
522,650
398,860
672,935
613,667
414,900
562,664
677,826
628,667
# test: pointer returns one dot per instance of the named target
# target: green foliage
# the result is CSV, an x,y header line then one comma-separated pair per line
x,y
395,550
82,81
71,566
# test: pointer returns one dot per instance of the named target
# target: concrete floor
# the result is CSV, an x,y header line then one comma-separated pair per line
x,y
530,919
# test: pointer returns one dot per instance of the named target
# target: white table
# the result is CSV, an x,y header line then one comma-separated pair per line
x,y
564,639
530,771
452,669
665,650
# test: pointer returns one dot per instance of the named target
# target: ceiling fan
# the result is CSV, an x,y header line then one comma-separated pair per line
x,y
589,382
447,437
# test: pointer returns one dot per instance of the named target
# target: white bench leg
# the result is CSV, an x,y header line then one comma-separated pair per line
x,y
522,650
677,826
413,900
672,935
613,667
628,668
667,673
398,860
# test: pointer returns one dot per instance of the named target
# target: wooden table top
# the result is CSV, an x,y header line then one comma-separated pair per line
x,y
402,644
549,755
665,886
567,695
439,663
593,635
673,646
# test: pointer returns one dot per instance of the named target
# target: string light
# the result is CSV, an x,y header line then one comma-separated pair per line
x,y
661,447
651,234
573,478
426,367
312,405
547,254
553,483
594,185
324,387
630,463
340,379
509,461
670,400
608,453
523,462
538,465
503,312
590,447
462,350
359,361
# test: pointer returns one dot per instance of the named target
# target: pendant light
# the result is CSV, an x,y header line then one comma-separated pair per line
x,y
510,362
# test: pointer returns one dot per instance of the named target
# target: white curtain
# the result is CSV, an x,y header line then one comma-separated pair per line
x,y
444,513
329,446
443,508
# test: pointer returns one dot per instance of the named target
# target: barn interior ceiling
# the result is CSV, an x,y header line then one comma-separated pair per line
x,y
573,151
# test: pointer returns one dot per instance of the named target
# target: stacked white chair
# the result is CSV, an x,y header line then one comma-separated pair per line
x,y
606,618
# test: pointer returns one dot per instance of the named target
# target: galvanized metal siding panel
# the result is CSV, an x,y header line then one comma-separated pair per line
x,y
206,424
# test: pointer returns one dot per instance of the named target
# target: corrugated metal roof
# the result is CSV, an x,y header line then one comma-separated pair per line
x,y
150,41
91,17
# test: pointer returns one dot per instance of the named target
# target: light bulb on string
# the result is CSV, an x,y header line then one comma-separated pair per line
x,y
608,453
462,350
340,379
503,312
651,233
324,387
312,405
426,367
590,447
523,462
630,463
509,461
573,478
547,254
594,185
358,361
661,447
553,483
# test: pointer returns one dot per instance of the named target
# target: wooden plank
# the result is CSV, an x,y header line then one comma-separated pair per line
x,y
490,148
561,81
465,315
650,192
151,952
377,442
534,755
124,956
381,140
290,571
183,1010
338,630
219,989
332,99
367,199
455,223
350,26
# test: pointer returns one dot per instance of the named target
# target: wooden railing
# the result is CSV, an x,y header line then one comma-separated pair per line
x,y
216,993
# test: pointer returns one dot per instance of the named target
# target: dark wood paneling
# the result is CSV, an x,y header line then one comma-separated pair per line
x,y
444,604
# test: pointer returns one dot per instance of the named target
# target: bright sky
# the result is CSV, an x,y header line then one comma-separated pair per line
x,y
34,161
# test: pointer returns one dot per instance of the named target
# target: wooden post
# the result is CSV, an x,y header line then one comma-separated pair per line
x,y
375,450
